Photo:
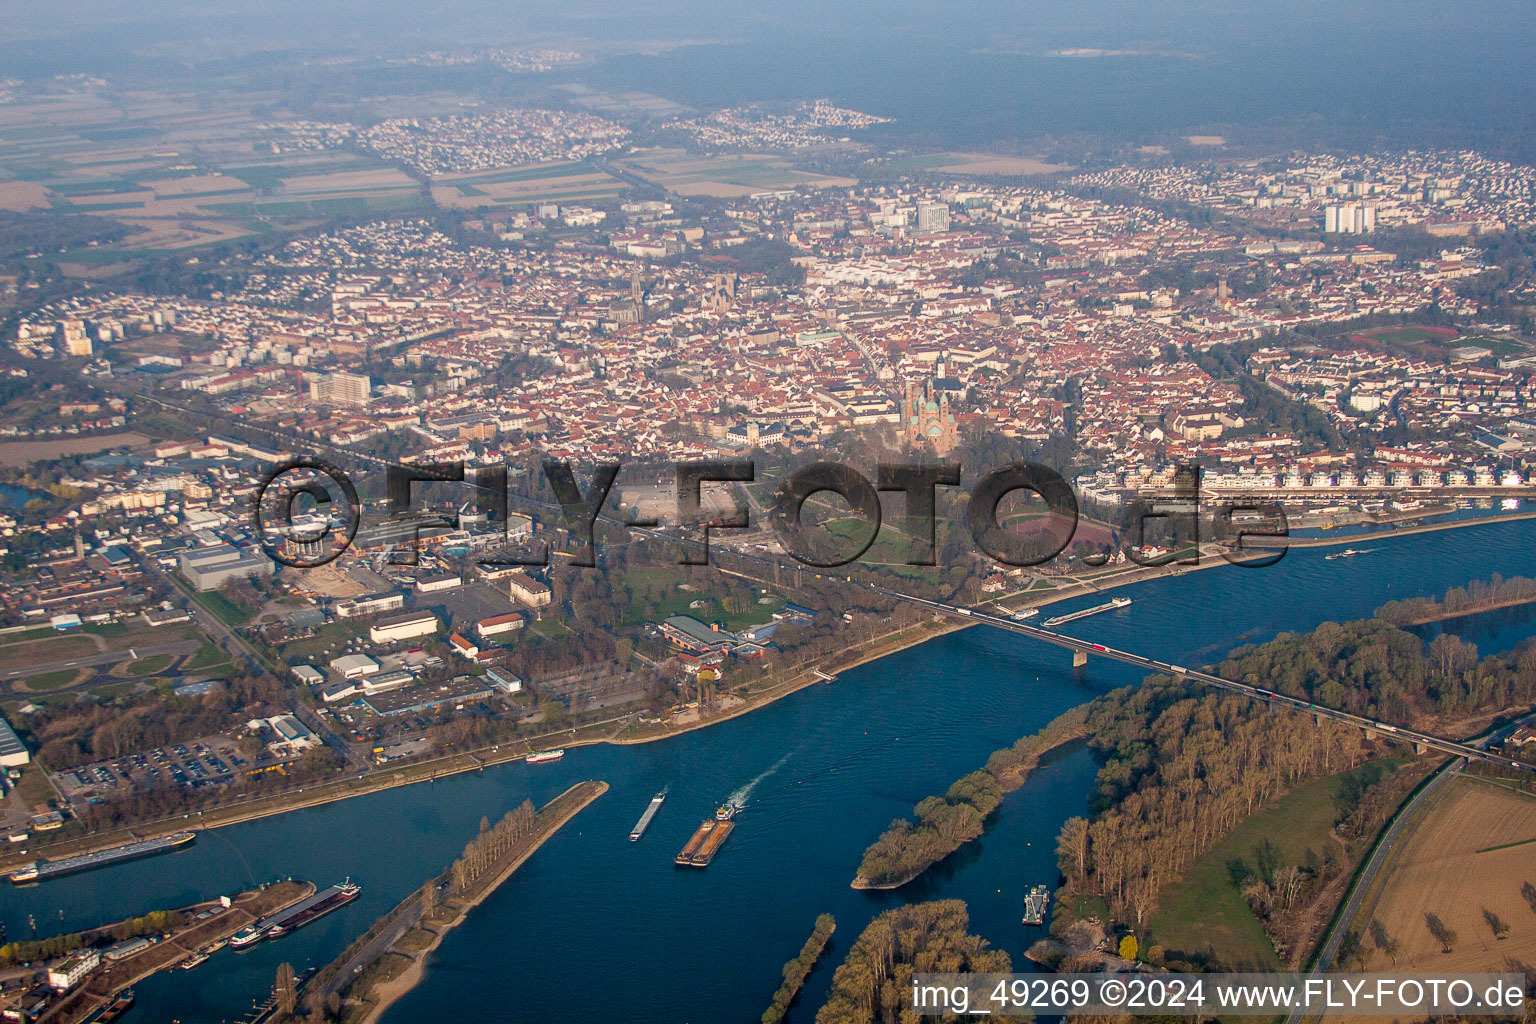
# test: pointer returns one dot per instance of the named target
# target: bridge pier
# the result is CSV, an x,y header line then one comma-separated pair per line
x,y
1419,748
1079,659
1317,719
1370,733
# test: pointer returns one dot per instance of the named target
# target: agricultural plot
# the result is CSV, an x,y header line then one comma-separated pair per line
x,y
724,176
563,181
1463,876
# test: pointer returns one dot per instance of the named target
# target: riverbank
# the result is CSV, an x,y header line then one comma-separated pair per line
x,y
1443,615
926,844
616,730
548,820
102,986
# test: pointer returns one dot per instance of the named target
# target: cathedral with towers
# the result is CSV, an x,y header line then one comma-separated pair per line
x,y
926,420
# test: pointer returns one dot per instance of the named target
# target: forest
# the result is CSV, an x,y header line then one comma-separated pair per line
x,y
1374,669
798,969
1476,596
945,823
1183,766
873,985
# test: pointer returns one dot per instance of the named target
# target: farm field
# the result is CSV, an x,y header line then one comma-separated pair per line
x,y
972,163
560,181
178,176
20,453
1466,865
984,163
723,176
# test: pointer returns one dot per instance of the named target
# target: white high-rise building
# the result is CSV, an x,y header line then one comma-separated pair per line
x,y
341,388
932,217
1349,219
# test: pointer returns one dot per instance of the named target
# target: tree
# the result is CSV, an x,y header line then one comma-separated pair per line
x,y
286,989
1129,947
1072,850
1384,941
1443,934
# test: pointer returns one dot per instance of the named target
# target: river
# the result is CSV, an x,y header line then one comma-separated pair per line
x,y
596,927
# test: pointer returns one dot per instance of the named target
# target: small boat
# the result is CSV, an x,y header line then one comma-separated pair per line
x,y
195,960
540,756
1347,553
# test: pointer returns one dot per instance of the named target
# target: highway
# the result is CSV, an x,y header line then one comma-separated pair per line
x,y
1469,751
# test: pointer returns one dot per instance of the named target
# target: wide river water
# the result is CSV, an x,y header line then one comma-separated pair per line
x,y
595,927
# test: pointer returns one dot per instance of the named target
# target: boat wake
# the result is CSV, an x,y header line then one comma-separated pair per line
x,y
739,798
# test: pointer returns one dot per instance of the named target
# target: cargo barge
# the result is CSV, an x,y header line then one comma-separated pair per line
x,y
43,870
1107,606
645,819
119,1006
706,842
296,916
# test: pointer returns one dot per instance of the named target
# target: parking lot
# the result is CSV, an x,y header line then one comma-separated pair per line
x,y
210,761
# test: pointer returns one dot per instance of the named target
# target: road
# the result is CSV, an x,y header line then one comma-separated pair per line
x,y
104,658
367,955
1344,922
1470,751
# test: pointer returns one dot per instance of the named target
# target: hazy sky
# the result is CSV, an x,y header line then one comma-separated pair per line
x,y
1393,72
1200,25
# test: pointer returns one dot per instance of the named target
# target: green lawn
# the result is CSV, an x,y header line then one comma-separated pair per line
x,y
227,611
51,680
328,635
1205,911
58,647
33,787
206,656
654,596
149,666
113,690
121,636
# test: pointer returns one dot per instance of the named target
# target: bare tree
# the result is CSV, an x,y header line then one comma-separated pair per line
x,y
1385,942
1443,935
286,989
1072,850
1496,924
